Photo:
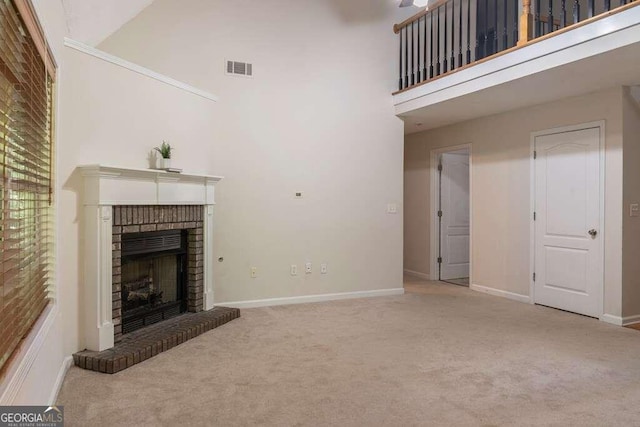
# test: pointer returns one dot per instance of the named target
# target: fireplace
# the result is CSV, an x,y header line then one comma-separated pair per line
x,y
153,277
157,264
147,249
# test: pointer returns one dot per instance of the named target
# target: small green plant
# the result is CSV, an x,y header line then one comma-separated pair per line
x,y
164,150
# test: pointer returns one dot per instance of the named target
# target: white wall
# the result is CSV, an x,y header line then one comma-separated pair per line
x,y
631,225
316,118
501,190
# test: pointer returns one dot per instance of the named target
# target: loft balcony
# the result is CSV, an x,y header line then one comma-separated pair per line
x,y
463,59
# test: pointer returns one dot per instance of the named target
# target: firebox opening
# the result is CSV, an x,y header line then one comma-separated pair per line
x,y
154,277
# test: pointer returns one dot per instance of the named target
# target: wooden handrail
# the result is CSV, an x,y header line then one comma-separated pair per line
x,y
417,16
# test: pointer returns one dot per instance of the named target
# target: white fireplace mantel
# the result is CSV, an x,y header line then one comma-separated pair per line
x,y
108,186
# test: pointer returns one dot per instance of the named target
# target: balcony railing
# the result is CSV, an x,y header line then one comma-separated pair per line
x,y
453,34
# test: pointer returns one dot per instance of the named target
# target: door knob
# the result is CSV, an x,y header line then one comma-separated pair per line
x,y
593,232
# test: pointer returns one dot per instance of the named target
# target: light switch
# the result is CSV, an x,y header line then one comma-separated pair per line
x,y
392,208
634,209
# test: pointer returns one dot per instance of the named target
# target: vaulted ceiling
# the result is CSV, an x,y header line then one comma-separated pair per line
x,y
92,21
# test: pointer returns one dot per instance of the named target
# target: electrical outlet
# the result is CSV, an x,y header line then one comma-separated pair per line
x,y
634,209
294,269
307,268
254,272
392,208
323,268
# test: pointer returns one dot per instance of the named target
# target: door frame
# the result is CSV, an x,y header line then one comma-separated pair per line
x,y
600,124
433,208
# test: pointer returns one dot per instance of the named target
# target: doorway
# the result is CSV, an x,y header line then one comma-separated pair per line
x,y
568,207
452,215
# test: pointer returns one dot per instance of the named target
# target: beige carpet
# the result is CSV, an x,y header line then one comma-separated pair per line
x,y
441,355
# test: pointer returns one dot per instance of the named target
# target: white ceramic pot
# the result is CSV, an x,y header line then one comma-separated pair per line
x,y
164,163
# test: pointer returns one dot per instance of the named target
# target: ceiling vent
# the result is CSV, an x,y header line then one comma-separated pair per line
x,y
236,68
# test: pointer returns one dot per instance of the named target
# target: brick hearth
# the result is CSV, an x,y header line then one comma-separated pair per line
x,y
140,345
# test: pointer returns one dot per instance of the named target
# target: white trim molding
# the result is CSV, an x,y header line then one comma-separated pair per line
x,y
26,355
500,293
620,321
64,368
424,276
112,59
108,186
610,318
313,298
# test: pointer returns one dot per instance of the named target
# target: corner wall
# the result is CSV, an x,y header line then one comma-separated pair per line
x,y
311,120
631,225
501,171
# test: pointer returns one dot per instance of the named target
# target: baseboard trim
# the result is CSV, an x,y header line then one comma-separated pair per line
x,y
631,320
19,368
620,321
417,274
500,293
312,298
610,318
64,368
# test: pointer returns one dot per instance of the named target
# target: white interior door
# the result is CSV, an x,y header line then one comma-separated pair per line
x,y
568,236
454,208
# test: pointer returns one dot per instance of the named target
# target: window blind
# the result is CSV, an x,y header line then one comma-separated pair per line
x,y
26,229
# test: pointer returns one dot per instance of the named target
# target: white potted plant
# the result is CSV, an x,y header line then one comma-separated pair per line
x,y
165,155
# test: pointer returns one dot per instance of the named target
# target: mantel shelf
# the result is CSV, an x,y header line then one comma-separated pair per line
x,y
114,185
106,170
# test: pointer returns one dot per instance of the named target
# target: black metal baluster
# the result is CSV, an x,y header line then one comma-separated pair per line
x,y
607,5
406,56
438,45
576,11
486,29
424,69
400,68
431,48
460,36
469,31
563,13
505,32
444,45
516,5
550,18
413,57
538,24
495,27
590,8
453,36
479,36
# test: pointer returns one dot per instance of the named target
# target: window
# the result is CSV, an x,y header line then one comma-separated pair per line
x,y
26,229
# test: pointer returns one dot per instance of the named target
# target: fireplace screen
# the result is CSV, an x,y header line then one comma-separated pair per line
x,y
153,277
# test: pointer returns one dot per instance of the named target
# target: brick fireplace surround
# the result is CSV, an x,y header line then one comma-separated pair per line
x,y
136,219
117,201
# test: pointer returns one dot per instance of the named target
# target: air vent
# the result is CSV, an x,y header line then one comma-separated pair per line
x,y
236,68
